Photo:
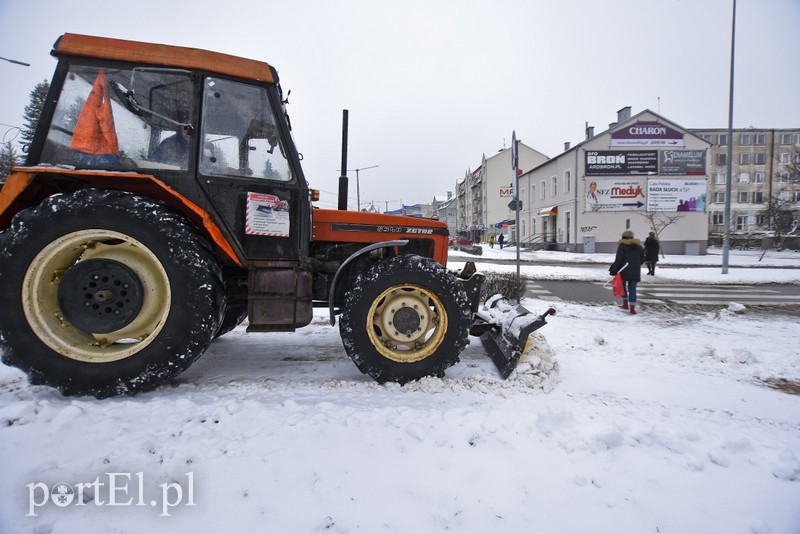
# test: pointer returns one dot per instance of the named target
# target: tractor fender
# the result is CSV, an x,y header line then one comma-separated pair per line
x,y
346,263
27,186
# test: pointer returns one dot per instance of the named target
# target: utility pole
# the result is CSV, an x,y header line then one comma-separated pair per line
x,y
726,240
358,185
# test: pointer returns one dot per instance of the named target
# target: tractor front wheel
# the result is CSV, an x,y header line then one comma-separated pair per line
x,y
405,318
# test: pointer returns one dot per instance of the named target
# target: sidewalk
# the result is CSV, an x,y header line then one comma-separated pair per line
x,y
744,266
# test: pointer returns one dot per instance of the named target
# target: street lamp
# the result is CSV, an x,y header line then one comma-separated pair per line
x,y
16,62
726,239
358,186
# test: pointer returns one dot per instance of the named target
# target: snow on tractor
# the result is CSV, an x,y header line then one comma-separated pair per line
x,y
163,202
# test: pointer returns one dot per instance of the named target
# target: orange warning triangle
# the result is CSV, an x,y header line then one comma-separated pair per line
x,y
94,131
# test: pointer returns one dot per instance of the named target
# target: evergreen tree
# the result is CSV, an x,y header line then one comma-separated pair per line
x,y
8,158
33,110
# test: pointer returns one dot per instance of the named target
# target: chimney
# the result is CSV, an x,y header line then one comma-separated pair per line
x,y
566,146
612,125
589,131
624,114
449,195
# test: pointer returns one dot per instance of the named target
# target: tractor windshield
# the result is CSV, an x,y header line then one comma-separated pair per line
x,y
122,119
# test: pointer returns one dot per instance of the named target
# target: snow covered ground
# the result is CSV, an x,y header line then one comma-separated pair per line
x,y
661,422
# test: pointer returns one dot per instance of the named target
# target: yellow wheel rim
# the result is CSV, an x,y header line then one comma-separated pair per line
x,y
406,323
40,296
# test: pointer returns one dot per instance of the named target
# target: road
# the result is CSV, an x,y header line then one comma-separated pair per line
x,y
670,293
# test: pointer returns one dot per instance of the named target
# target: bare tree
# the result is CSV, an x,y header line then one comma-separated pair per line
x,y
660,221
781,220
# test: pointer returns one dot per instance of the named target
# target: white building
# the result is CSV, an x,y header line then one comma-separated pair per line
x,y
644,169
483,195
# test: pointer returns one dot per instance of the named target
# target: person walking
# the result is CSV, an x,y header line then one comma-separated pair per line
x,y
651,249
629,259
491,240
501,240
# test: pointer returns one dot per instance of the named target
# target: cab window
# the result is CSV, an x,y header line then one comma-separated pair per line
x,y
240,135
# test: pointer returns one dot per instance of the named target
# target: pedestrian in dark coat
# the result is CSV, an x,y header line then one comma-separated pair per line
x,y
651,249
630,251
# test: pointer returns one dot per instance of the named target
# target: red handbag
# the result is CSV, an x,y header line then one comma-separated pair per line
x,y
618,286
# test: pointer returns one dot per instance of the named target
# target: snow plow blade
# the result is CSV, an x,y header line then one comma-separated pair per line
x,y
505,328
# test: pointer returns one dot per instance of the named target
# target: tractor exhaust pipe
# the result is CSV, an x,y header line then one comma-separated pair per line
x,y
343,177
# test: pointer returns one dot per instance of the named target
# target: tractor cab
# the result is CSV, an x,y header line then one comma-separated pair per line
x,y
212,130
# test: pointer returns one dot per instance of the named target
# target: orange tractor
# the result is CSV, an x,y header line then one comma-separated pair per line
x,y
163,202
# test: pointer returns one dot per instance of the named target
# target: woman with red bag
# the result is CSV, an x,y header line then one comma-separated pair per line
x,y
628,262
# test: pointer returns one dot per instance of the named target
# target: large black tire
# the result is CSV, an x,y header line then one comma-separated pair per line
x,y
233,317
405,318
105,293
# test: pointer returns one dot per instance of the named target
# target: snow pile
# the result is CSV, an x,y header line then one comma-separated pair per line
x,y
665,421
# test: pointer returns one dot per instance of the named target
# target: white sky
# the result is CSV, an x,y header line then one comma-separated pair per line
x,y
432,85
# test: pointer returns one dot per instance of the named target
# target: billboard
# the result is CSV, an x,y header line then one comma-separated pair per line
x,y
676,195
682,162
615,194
621,162
647,133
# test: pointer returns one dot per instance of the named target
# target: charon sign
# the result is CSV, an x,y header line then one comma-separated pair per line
x,y
647,133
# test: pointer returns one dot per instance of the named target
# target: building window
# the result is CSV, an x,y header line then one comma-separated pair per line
x,y
761,139
744,159
523,227
758,197
759,178
786,139
719,197
761,219
744,177
567,181
783,177
555,185
722,178
783,158
707,137
741,223
543,191
795,197
744,139
760,158
742,197
722,159
717,217
722,139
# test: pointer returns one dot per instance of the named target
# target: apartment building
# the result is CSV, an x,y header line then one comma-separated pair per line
x,y
761,168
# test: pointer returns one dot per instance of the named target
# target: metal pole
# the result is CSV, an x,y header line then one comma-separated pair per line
x,y
343,176
16,62
726,219
515,167
358,191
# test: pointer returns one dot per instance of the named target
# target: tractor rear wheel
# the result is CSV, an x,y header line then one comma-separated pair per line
x,y
105,293
405,318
